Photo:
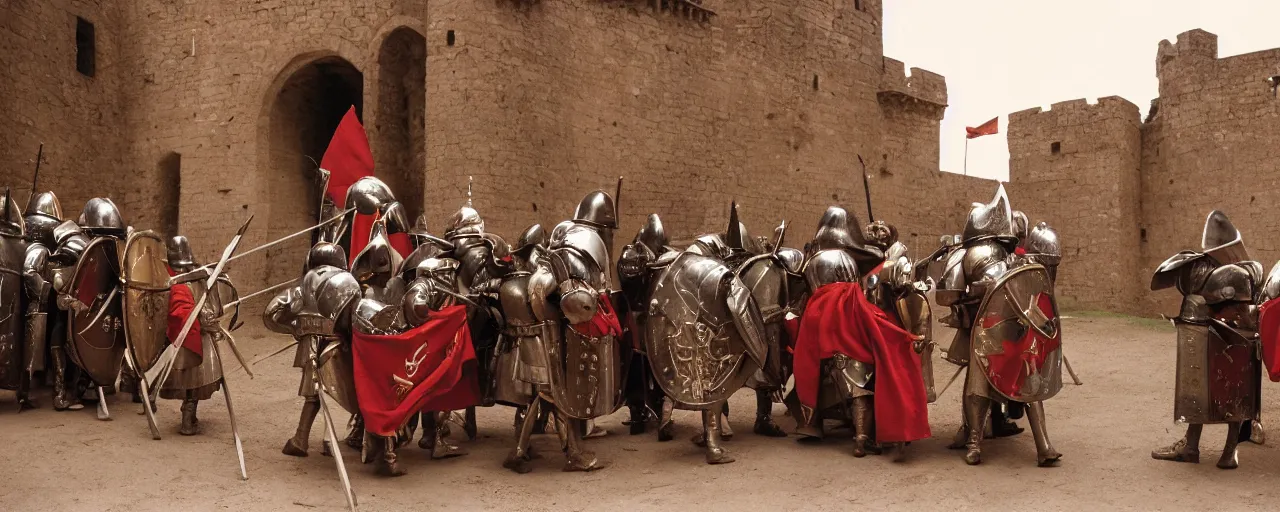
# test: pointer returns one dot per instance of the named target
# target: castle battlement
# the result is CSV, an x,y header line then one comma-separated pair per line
x,y
1192,43
1077,111
921,85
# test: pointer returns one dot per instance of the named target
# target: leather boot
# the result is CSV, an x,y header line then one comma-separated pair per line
x,y
666,425
297,445
1186,449
355,437
62,400
765,425
24,393
1001,425
190,425
576,458
1045,454
977,409
716,453
387,466
810,427
863,422
1230,460
469,424
441,447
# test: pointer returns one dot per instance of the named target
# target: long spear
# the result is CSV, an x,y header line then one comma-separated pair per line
x,y
866,187
35,177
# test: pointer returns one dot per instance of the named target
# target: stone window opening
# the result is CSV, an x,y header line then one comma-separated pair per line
x,y
1274,83
85,47
857,4
170,193
1055,148
815,82
450,38
1142,235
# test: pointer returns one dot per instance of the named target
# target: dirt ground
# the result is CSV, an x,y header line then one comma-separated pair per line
x,y
1105,429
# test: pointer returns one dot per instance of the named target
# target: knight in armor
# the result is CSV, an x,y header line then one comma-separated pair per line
x,y
197,370
46,324
976,272
100,224
1216,324
701,329
873,364
637,264
571,294
291,312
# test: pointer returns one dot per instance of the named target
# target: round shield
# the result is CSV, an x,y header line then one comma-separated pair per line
x,y
97,335
703,333
1017,336
145,273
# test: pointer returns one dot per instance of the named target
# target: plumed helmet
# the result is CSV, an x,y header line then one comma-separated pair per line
x,y
1222,241
532,236
652,235
101,217
327,253
368,195
597,209
11,222
466,223
993,220
179,252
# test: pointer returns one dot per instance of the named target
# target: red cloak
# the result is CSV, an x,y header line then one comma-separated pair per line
x,y
1269,330
838,319
362,229
181,304
431,367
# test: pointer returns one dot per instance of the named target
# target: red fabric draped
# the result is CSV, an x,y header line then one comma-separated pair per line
x,y
1008,370
361,228
347,158
432,368
400,242
838,319
181,304
604,323
1269,330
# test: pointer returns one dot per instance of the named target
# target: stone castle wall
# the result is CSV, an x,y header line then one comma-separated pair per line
x,y
203,113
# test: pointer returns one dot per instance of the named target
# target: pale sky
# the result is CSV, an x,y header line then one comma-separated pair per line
x,y
1002,56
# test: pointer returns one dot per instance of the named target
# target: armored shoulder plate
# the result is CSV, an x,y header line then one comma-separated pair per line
x,y
711,245
952,285
986,259
586,242
1234,283
792,259
424,295
329,292
371,316
513,295
282,310
40,229
896,271
1169,273
830,266
1270,287
542,285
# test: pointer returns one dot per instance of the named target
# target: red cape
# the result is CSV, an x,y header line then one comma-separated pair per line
x,y
182,303
347,158
362,228
1269,330
838,319
431,368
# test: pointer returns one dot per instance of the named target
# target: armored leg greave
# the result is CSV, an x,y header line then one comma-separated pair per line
x,y
1229,459
863,422
977,409
716,453
440,446
518,459
1186,449
810,425
667,425
1001,425
62,400
190,425
726,432
355,438
387,465
764,416
297,445
576,458
469,424
1045,454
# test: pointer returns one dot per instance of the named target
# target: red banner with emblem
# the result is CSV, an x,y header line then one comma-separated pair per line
x,y
429,368
347,158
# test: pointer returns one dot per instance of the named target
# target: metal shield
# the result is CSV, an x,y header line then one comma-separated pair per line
x,y
145,272
586,374
704,334
1218,375
335,368
97,335
1017,336
12,325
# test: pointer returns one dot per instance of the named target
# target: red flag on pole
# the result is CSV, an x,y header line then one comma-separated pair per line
x,y
991,127
348,157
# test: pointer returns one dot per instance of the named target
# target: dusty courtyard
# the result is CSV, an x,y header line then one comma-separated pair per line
x,y
1106,429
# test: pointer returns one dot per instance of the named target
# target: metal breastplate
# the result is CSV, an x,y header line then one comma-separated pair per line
x,y
513,295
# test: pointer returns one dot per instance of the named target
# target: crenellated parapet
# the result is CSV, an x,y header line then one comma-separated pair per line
x,y
920,87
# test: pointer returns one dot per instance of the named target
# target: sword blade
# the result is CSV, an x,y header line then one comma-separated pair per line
x,y
949,383
101,311
337,452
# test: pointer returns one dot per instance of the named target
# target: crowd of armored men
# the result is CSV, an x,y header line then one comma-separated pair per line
x,y
845,319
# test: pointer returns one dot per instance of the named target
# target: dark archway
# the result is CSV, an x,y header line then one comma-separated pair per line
x,y
169,194
401,121
304,115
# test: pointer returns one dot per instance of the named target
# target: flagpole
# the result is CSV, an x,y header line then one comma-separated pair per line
x,y
966,156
